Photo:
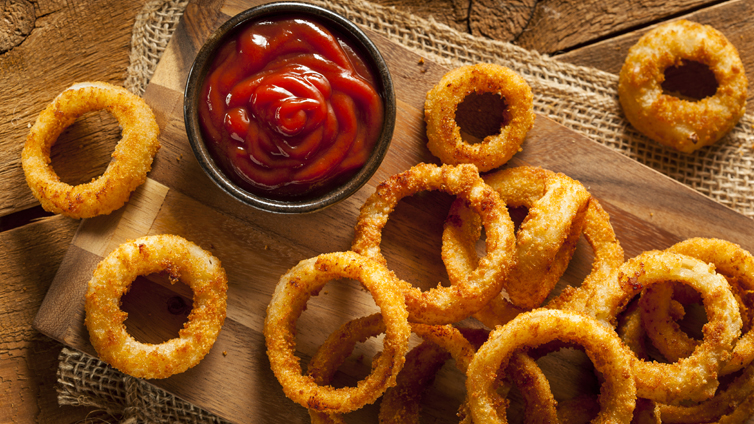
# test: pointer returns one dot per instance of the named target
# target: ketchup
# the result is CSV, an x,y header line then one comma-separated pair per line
x,y
289,109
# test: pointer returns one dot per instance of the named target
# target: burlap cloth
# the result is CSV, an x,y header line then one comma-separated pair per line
x,y
581,98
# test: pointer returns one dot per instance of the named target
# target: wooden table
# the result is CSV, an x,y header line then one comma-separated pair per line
x,y
90,40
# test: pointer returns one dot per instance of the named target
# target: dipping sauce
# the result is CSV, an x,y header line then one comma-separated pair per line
x,y
289,109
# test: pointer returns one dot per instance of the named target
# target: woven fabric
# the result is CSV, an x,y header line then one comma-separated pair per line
x,y
581,98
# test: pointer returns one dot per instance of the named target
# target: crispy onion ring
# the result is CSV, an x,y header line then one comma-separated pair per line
x,y
131,160
531,329
539,403
401,402
441,104
681,124
545,241
730,260
442,305
693,378
112,278
732,405
334,351
288,301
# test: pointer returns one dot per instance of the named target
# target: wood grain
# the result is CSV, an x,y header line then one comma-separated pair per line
x,y
30,257
648,211
557,25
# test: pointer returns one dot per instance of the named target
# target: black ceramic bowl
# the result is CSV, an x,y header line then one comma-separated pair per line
x,y
337,24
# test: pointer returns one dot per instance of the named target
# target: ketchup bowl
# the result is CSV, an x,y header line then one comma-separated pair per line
x,y
289,107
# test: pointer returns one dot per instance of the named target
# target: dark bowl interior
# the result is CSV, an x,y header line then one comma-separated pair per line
x,y
336,23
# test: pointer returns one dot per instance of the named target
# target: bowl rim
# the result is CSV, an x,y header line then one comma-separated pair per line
x,y
342,26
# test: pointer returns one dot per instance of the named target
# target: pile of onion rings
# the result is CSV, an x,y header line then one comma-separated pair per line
x,y
591,315
182,260
509,288
131,160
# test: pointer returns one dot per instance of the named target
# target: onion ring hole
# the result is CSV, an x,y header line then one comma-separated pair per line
x,y
691,80
151,301
403,220
481,115
84,149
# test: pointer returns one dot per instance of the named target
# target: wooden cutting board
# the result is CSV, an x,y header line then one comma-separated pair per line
x,y
648,210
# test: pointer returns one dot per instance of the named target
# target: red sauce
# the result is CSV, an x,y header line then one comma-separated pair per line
x,y
289,109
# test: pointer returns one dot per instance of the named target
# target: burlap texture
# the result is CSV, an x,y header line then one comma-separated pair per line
x,y
583,99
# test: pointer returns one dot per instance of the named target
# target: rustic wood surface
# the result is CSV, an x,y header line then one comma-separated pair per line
x,y
71,42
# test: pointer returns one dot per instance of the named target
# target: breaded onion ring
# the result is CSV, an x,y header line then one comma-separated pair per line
x,y
732,405
441,104
401,402
681,124
112,278
334,351
291,295
693,378
737,266
442,305
131,160
545,241
532,329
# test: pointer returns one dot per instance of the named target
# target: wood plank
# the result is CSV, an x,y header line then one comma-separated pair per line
x,y
556,25
29,259
648,211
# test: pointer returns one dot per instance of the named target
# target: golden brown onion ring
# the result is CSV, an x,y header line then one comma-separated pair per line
x,y
401,402
732,405
682,124
693,378
545,241
442,101
112,278
532,329
289,300
737,266
131,160
443,305
334,351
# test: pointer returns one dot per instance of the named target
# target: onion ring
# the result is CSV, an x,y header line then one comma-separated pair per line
x,y
441,104
442,305
693,378
683,125
131,160
539,403
734,404
531,329
112,278
545,241
730,260
288,301
334,351
401,402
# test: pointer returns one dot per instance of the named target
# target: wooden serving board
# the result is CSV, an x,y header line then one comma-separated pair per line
x,y
648,210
